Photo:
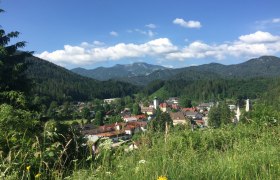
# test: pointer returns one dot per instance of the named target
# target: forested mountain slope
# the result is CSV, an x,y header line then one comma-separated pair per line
x,y
60,83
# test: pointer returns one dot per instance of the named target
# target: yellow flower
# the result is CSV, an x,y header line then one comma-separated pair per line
x,y
162,178
37,175
28,168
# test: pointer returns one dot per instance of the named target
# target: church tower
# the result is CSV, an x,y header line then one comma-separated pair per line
x,y
247,109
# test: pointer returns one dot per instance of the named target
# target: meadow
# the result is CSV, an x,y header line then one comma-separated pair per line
x,y
231,152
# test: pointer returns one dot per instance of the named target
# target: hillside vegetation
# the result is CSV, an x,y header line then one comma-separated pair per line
x,y
61,84
242,152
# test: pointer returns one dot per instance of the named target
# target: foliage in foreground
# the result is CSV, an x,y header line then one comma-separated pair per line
x,y
242,152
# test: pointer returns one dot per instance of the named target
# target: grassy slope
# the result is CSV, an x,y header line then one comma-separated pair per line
x,y
244,152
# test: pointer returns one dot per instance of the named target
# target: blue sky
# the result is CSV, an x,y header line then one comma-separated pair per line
x,y
173,33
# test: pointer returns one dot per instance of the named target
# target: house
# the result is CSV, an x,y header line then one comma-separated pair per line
x,y
125,113
190,114
192,109
200,123
115,135
148,110
131,129
232,107
141,124
135,127
175,106
129,119
163,107
141,117
116,131
205,106
194,115
109,101
173,100
178,118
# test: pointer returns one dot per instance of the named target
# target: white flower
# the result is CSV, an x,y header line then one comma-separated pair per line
x,y
108,173
142,161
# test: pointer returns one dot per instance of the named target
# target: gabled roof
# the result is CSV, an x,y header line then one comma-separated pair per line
x,y
163,105
177,115
189,109
190,113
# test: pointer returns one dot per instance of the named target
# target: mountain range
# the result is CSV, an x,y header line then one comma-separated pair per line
x,y
59,83
264,66
119,71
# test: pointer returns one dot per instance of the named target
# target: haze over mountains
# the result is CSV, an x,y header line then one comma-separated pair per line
x,y
119,71
142,73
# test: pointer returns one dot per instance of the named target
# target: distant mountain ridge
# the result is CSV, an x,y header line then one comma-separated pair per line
x,y
119,71
264,66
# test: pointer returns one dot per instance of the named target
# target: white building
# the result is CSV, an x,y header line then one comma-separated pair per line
x,y
156,103
232,107
109,101
247,109
238,113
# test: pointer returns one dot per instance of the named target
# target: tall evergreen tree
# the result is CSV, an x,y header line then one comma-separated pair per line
x,y
136,109
219,115
12,63
99,118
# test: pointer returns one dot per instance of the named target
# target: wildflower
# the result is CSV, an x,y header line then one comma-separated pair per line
x,y
162,178
37,175
108,173
142,161
28,168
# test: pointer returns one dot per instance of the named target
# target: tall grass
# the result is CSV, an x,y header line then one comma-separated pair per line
x,y
242,152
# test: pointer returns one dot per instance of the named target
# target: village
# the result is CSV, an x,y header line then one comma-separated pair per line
x,y
131,124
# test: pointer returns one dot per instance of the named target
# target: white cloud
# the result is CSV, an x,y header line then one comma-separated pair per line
x,y
149,33
246,46
83,55
187,24
98,43
94,44
152,26
268,24
114,33
276,20
252,45
259,37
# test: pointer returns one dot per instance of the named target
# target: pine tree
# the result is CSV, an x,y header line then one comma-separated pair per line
x,y
12,68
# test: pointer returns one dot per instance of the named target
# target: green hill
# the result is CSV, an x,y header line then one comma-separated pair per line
x,y
59,83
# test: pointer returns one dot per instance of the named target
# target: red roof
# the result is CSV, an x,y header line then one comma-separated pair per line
x,y
138,123
110,134
189,109
199,121
141,116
